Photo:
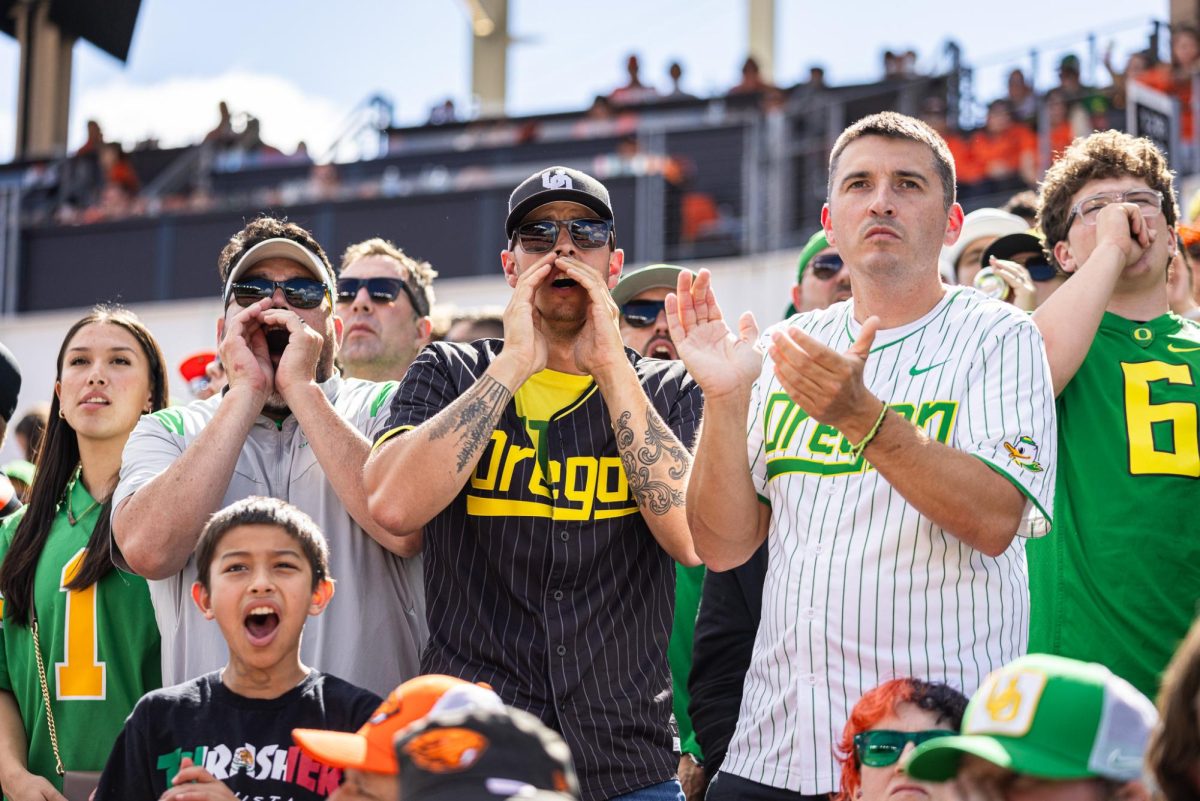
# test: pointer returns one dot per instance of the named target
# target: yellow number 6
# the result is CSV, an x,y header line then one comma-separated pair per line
x,y
80,676
1141,415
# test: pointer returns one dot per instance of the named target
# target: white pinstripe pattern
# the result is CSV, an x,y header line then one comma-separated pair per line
x,y
491,582
861,588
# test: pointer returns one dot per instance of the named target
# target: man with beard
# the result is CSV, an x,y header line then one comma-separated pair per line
x,y
383,299
290,427
548,471
639,295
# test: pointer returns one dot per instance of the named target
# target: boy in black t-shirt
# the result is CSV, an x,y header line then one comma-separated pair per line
x,y
263,569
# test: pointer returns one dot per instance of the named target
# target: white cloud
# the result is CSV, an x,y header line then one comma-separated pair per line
x,y
180,111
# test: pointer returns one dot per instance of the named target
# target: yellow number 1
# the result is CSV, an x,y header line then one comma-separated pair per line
x,y
80,676
1141,415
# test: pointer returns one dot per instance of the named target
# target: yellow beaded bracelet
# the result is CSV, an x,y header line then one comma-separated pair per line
x,y
857,450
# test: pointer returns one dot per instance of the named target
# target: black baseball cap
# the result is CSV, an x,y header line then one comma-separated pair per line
x,y
1011,245
556,183
482,754
10,383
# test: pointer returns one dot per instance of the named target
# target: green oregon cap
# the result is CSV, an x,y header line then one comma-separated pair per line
x,y
1049,717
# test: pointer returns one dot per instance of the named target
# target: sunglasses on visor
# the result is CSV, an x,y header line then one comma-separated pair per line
x,y
382,290
300,293
540,236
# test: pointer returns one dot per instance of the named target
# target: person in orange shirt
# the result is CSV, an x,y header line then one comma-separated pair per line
x,y
1063,129
1175,78
1005,150
933,112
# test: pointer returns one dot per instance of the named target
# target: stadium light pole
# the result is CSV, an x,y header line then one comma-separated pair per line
x,y
489,54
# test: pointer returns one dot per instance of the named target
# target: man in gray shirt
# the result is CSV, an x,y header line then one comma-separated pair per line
x,y
288,427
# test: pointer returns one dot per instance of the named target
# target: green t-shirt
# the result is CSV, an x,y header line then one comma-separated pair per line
x,y
688,581
113,644
1116,582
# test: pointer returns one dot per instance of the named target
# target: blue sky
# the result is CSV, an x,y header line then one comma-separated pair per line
x,y
301,66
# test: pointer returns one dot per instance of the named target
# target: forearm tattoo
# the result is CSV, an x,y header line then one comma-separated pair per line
x,y
473,417
658,444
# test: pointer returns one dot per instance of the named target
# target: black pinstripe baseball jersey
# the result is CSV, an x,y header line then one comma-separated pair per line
x,y
543,579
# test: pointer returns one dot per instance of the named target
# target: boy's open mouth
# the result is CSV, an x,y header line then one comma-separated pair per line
x,y
559,283
261,623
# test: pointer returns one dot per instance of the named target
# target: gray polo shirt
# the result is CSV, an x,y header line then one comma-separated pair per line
x,y
373,631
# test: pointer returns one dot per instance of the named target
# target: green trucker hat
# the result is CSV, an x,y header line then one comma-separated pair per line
x,y
638,281
1049,717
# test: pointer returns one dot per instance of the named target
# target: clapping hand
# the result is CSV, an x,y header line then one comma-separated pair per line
x,y
720,361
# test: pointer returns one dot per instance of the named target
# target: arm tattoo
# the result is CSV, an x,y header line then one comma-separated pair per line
x,y
654,494
474,417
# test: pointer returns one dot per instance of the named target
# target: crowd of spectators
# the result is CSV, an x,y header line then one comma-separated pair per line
x,y
533,509
1019,137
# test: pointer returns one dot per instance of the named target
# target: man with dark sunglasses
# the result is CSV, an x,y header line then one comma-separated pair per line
x,y
822,278
287,426
639,295
1117,584
383,300
548,471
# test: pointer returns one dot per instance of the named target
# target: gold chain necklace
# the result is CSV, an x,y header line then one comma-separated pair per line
x,y
71,518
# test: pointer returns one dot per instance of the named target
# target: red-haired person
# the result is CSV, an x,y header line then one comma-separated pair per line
x,y
884,725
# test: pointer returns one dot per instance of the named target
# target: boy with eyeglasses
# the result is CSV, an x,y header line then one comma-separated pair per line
x,y
289,427
548,471
383,300
1117,583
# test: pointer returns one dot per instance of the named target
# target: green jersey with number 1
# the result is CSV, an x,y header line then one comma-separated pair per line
x,y
99,647
1117,582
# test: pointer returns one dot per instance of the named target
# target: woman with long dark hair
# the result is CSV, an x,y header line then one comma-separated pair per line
x,y
79,644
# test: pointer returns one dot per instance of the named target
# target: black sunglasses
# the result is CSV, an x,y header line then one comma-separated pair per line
x,y
300,293
384,290
827,266
540,236
1040,269
642,313
879,748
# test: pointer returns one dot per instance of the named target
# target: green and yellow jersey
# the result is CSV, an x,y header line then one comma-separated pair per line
x,y
100,648
1116,582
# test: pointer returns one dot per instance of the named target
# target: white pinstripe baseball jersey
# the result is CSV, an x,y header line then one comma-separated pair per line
x,y
860,587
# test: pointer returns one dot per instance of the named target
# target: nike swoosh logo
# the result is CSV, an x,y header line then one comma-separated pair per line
x,y
919,370
1175,349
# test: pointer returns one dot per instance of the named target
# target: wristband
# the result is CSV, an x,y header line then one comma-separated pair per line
x,y
856,451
